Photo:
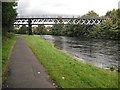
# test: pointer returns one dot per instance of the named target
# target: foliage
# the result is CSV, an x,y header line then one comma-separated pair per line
x,y
40,30
57,28
22,30
108,29
112,15
76,74
91,14
8,16
6,48
6,51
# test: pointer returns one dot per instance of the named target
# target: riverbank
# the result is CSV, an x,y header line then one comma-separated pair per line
x,y
7,46
67,72
98,52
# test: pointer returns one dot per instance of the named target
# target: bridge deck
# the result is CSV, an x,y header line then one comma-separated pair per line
x,y
62,21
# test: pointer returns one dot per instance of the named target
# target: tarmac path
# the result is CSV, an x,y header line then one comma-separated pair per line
x,y
25,71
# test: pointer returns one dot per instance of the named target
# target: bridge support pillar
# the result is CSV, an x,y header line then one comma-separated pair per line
x,y
30,26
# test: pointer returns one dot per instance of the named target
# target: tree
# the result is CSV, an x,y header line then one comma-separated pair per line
x,y
91,14
48,30
118,18
40,30
8,16
58,27
86,30
23,30
108,29
112,15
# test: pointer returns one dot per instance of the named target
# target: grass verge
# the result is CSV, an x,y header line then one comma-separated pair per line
x,y
66,71
6,50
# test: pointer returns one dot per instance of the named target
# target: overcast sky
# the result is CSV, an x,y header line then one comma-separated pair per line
x,y
64,7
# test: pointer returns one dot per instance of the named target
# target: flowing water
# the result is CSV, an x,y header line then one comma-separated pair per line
x,y
98,52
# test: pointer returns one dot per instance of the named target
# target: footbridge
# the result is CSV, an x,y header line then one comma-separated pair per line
x,y
59,20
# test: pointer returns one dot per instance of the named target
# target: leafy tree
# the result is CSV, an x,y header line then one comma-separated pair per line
x,y
118,18
112,15
8,16
23,30
40,30
69,30
58,27
108,29
91,14
86,30
48,30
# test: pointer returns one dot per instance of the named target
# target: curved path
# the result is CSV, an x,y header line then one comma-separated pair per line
x,y
24,70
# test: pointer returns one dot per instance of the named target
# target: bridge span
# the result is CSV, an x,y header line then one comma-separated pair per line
x,y
57,20
52,21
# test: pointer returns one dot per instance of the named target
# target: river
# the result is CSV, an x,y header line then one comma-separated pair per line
x,y
98,52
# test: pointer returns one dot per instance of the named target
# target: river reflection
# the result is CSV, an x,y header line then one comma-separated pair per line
x,y
98,52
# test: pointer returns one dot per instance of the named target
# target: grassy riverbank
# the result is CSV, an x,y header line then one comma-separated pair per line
x,y
6,50
66,71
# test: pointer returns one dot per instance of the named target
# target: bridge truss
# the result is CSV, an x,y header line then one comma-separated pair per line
x,y
52,21
58,21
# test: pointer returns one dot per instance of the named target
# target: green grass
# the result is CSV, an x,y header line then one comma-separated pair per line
x,y
6,49
7,45
77,74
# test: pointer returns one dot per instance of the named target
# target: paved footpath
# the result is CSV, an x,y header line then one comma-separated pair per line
x,y
24,70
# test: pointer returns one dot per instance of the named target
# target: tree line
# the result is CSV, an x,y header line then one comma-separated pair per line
x,y
108,29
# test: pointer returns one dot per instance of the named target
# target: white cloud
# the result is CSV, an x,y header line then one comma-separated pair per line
x,y
70,7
